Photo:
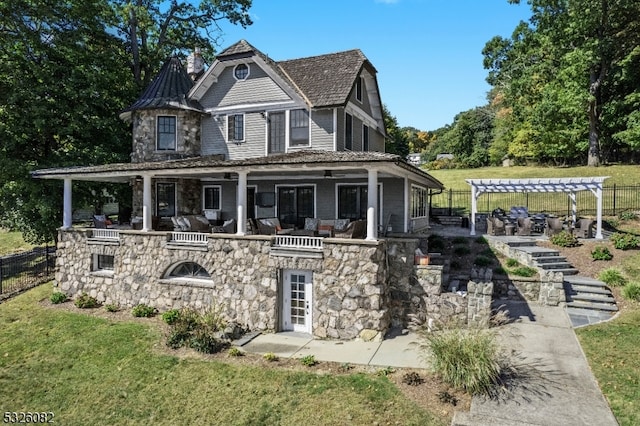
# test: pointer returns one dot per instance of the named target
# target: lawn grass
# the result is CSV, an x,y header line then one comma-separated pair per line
x,y
612,351
455,178
89,370
12,242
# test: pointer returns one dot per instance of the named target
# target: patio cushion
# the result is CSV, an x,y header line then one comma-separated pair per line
x,y
341,224
311,224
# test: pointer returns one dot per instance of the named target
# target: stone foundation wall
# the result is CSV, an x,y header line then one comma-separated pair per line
x,y
520,289
479,295
350,294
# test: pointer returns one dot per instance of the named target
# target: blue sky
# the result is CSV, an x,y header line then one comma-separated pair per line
x,y
427,52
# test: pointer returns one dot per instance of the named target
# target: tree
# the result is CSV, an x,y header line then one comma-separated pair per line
x,y
561,73
396,142
154,29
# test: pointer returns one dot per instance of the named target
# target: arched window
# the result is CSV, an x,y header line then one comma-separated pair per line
x,y
188,270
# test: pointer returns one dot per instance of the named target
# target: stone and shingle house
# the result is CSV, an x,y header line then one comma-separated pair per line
x,y
249,138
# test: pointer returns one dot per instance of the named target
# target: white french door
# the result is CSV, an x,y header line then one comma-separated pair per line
x,y
297,301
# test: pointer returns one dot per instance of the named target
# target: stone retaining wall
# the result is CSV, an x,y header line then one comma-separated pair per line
x,y
350,294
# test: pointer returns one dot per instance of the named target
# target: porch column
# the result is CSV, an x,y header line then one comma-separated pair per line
x,y
599,213
67,211
147,208
474,208
372,206
242,203
574,209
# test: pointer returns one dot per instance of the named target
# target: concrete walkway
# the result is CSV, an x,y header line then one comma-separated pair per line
x,y
396,350
551,385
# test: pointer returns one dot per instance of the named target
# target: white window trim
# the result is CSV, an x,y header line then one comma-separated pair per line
x,y
175,142
425,193
101,271
288,130
248,72
204,187
244,128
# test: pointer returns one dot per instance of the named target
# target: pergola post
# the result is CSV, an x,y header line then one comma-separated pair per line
x,y
474,208
599,212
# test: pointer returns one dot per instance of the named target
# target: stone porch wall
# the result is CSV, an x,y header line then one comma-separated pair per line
x,y
350,297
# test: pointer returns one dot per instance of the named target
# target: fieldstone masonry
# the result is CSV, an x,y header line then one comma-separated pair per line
x,y
349,283
480,295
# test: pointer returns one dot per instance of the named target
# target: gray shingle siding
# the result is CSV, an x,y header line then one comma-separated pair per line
x,y
257,88
322,129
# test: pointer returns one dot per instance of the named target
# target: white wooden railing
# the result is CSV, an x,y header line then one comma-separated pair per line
x,y
105,234
298,242
193,238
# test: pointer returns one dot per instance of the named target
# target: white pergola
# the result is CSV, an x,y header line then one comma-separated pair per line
x,y
567,185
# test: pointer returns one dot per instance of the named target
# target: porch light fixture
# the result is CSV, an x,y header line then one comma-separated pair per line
x,y
138,179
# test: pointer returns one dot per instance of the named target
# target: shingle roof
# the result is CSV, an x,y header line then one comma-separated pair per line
x,y
167,91
326,80
325,159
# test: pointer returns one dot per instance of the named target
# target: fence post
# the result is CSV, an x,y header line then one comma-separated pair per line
x,y
614,199
450,202
0,275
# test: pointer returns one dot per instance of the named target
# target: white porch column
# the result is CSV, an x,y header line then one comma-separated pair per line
x,y
599,213
67,211
474,209
372,206
147,208
574,209
242,203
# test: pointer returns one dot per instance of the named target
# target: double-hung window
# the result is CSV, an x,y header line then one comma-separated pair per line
x,y
298,127
211,197
348,132
235,127
365,138
166,133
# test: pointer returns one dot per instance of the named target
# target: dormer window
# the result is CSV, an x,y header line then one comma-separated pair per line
x,y
166,133
241,71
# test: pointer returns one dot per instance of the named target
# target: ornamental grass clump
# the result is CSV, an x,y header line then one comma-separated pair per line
x,y
612,277
465,359
631,291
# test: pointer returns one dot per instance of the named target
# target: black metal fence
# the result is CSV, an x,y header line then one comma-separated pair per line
x,y
25,270
615,199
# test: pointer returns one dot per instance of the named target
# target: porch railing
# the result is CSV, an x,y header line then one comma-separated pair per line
x,y
298,242
192,238
105,234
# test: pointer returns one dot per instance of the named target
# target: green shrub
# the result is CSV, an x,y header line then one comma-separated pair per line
x,y
612,277
308,360
461,250
482,261
524,271
564,239
203,340
482,240
86,302
412,379
436,243
235,352
386,371
112,307
58,297
601,253
460,240
488,252
631,291
144,311
270,356
171,316
624,241
499,271
465,359
178,337
512,263
628,215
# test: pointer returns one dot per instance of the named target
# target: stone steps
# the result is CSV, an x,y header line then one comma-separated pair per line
x,y
593,306
589,294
